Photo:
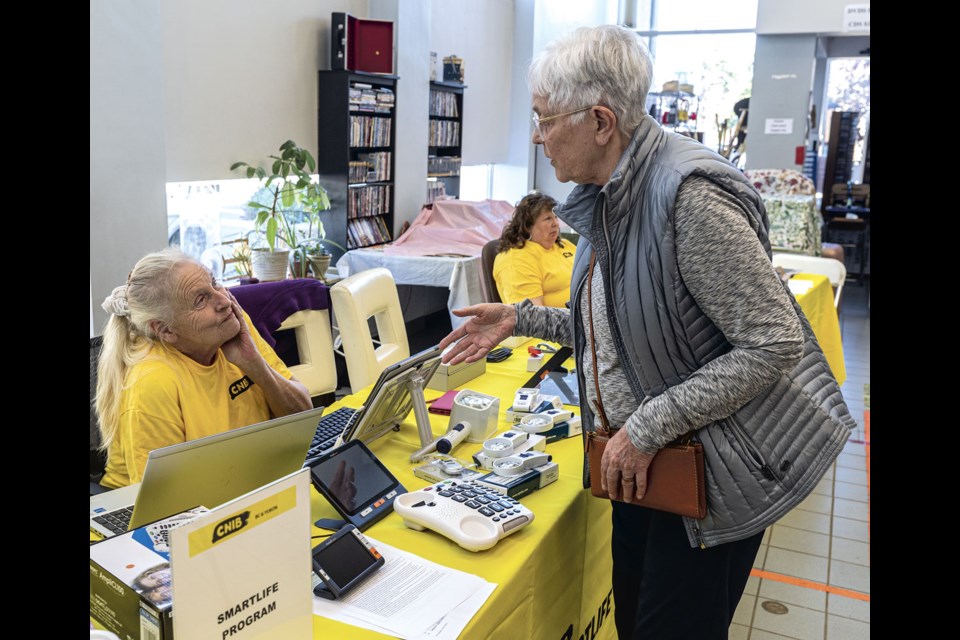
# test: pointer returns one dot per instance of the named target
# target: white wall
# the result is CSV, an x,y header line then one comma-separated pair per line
x,y
482,34
824,17
127,155
241,78
786,75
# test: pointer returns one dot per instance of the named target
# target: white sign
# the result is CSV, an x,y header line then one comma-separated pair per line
x,y
778,126
243,570
856,17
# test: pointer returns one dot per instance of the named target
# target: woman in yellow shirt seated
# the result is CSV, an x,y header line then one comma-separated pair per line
x,y
180,361
533,261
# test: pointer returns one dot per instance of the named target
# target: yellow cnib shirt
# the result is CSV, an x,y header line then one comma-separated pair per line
x,y
170,398
532,271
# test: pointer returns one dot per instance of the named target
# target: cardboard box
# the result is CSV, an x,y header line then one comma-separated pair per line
x,y
447,377
520,485
359,44
130,584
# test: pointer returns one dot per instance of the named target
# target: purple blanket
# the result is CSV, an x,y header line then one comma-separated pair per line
x,y
270,303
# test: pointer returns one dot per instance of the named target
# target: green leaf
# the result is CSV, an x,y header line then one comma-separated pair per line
x,y
311,162
237,165
272,233
277,165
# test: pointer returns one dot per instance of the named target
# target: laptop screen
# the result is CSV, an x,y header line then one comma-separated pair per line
x,y
212,470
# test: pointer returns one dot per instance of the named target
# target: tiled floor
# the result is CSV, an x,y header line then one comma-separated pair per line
x,y
811,578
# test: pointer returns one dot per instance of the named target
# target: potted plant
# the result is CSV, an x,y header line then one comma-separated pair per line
x,y
288,200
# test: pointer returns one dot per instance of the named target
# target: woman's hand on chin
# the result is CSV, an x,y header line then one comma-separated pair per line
x,y
240,349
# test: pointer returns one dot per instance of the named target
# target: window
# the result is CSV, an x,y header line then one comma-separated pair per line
x,y
708,44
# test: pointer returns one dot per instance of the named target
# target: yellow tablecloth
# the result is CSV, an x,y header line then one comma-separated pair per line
x,y
817,304
553,576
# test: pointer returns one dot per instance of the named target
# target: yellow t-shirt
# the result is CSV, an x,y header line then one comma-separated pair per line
x,y
169,398
532,271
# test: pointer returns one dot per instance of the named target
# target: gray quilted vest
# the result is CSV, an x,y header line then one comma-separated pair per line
x,y
770,454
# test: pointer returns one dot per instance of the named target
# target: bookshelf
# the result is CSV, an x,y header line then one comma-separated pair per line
x,y
356,155
444,143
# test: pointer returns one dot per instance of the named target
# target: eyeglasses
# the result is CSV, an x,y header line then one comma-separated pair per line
x,y
538,121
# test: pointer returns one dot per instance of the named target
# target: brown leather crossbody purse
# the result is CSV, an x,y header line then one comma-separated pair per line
x,y
675,477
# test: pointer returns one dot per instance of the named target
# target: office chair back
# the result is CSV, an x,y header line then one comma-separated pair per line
x,y
356,299
98,459
487,256
835,270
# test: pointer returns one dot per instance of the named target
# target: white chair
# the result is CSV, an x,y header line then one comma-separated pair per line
x,y
830,267
370,293
317,369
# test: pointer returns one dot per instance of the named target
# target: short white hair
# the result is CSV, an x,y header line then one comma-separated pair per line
x,y
606,65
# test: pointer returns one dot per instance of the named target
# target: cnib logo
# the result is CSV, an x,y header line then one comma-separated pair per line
x,y
230,526
241,385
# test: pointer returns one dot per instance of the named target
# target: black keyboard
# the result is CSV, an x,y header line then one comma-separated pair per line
x,y
328,430
117,521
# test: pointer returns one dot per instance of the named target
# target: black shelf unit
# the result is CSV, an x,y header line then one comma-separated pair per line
x,y
445,141
356,156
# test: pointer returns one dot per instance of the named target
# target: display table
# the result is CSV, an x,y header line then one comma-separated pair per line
x,y
818,305
460,274
553,576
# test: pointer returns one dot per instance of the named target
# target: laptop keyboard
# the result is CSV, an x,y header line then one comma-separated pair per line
x,y
328,430
117,521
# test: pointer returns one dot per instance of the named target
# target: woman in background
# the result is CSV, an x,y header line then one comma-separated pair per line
x,y
181,361
533,261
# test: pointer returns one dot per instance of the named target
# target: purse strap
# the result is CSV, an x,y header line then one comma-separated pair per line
x,y
604,424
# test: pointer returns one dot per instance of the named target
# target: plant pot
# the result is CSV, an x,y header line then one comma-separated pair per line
x,y
319,266
269,266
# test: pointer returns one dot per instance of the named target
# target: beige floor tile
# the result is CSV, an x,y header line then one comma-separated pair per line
x,y
798,565
816,503
852,476
848,575
850,491
760,634
807,520
850,509
857,530
846,629
855,449
817,544
744,613
798,622
753,584
850,551
852,461
761,556
738,632
790,594
844,606
824,487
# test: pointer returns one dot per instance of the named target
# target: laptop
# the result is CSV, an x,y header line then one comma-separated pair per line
x,y
207,472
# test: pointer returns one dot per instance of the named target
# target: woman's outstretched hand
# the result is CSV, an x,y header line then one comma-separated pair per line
x,y
490,325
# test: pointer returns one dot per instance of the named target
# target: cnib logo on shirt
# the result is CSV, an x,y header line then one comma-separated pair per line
x,y
241,385
567,254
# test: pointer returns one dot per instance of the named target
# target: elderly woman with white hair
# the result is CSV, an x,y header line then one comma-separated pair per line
x,y
679,324
181,360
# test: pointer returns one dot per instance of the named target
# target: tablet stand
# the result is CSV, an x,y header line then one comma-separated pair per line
x,y
331,524
428,442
